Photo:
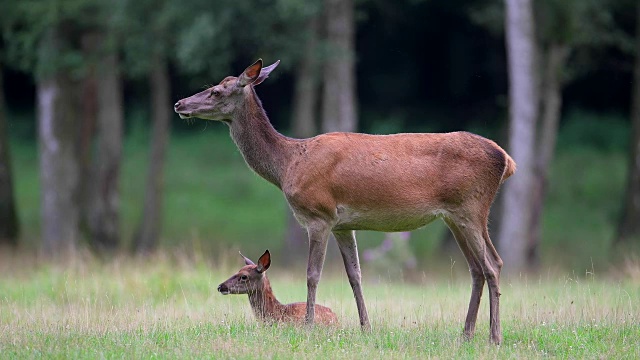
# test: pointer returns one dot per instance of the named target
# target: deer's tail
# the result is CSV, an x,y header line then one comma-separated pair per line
x,y
509,167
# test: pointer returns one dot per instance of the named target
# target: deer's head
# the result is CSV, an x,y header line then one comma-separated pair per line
x,y
220,101
249,278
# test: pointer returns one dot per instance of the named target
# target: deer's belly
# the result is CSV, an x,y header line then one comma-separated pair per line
x,y
387,221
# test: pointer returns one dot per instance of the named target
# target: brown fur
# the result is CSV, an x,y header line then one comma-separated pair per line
x,y
341,182
249,280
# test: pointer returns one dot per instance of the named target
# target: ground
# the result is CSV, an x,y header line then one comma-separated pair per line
x,y
168,307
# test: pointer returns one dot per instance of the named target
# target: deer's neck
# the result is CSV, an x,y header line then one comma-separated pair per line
x,y
264,303
265,150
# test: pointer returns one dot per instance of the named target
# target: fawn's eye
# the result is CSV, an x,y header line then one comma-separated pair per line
x,y
215,93
244,277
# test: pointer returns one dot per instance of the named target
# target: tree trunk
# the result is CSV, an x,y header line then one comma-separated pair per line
x,y
523,101
551,106
305,96
104,220
629,226
8,216
339,107
57,124
147,235
339,103
303,124
88,109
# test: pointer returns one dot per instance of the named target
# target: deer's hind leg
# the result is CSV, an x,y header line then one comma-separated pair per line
x,y
477,279
492,274
485,265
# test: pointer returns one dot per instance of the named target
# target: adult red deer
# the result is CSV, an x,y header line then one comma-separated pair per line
x,y
342,182
252,280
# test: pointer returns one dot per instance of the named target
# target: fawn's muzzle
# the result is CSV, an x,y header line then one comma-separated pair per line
x,y
223,289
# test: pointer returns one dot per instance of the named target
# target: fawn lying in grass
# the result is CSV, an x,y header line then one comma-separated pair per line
x,y
253,281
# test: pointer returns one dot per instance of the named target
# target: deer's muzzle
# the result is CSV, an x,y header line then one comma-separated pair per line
x,y
180,109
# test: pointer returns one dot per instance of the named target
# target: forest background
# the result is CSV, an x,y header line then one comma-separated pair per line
x,y
93,158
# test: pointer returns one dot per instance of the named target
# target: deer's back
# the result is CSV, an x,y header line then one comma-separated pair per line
x,y
407,179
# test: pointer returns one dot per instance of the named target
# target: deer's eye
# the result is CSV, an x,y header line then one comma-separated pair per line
x,y
244,277
215,93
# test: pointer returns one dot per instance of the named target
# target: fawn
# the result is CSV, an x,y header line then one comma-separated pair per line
x,y
252,280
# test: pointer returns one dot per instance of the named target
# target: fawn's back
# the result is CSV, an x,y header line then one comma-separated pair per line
x,y
295,313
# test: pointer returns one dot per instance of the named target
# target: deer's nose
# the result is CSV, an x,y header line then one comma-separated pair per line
x,y
177,105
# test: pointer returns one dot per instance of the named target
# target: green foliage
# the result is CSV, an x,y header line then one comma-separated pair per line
x,y
42,36
572,22
147,29
202,37
587,27
489,15
218,32
206,44
599,132
583,205
586,186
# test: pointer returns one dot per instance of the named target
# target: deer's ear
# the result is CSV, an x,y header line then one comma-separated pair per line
x,y
264,73
250,74
247,261
264,262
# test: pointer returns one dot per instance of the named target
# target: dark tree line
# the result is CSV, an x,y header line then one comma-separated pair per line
x,y
81,52
9,227
629,225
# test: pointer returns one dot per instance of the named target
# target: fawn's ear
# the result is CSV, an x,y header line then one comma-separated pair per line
x,y
250,74
247,261
264,73
264,262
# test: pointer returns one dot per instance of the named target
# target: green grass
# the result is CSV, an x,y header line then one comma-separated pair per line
x,y
167,307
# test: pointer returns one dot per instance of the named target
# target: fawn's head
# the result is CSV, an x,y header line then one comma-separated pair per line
x,y
220,101
249,278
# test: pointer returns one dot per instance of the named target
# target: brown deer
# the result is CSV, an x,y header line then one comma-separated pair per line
x,y
341,182
252,280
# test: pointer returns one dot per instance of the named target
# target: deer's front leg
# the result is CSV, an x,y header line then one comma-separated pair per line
x,y
318,235
349,250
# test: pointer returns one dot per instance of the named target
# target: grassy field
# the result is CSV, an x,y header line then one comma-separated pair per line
x,y
167,307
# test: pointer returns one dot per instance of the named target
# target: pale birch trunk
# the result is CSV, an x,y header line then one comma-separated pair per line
x,y
339,102
59,170
523,113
